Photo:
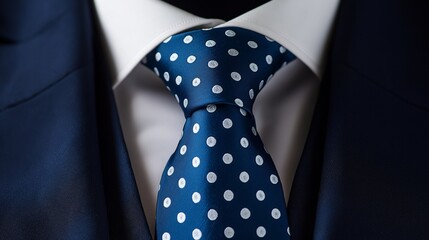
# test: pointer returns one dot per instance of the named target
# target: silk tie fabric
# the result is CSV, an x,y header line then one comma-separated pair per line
x,y
220,182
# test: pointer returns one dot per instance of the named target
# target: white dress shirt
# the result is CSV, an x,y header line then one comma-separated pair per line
x,y
151,118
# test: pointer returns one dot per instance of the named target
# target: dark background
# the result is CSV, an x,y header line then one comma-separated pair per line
x,y
224,9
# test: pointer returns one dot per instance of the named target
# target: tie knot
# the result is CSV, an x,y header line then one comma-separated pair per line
x,y
217,66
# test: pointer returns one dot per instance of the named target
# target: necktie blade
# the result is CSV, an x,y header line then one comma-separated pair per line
x,y
220,182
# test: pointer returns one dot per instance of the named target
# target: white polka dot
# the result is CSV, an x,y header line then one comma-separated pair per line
x,y
227,158
181,183
274,179
269,77
245,213
229,232
167,202
166,236
269,59
288,231
252,44
210,43
158,56
260,231
254,131
236,76
228,195
185,102
174,57
212,214
167,39
211,177
260,195
269,39
275,213
211,108
243,112
167,76
211,141
229,33
156,71
188,39
191,59
144,60
196,128
196,82
282,49
213,64
181,217
239,102
197,234
196,197
261,84
244,177
233,52
259,160
251,94
183,149
178,80
196,161
227,123
170,171
253,67
244,142
216,89
168,88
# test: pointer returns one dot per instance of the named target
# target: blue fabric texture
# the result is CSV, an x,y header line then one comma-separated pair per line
x,y
64,169
220,182
363,173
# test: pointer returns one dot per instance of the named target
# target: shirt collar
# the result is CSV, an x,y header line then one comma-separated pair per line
x,y
132,28
302,26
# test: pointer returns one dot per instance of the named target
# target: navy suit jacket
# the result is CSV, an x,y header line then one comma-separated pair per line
x,y
64,168
364,170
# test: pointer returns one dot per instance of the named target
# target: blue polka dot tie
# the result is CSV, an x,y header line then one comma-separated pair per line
x,y
220,183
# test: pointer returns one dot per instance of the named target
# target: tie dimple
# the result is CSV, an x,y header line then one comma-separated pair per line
x,y
220,182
